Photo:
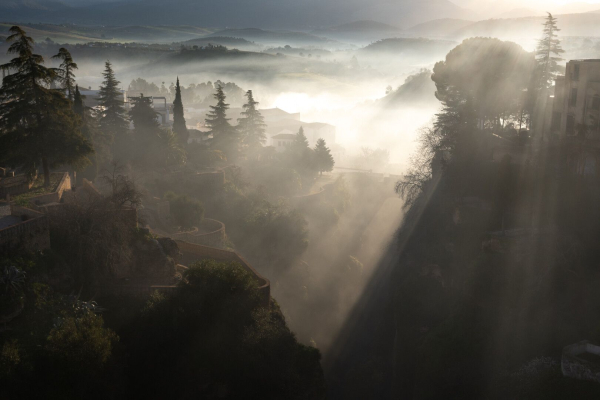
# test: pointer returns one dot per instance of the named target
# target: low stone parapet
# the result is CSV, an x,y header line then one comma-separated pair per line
x,y
192,253
581,361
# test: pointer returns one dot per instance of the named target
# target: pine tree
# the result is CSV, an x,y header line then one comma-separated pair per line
x,y
548,53
300,143
179,126
144,118
113,117
252,125
300,151
36,123
217,119
66,77
323,159
225,137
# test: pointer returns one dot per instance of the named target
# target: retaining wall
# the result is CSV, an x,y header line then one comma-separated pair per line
x,y
214,238
31,235
573,366
54,197
192,253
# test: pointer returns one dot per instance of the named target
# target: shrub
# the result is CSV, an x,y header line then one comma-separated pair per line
x,y
186,212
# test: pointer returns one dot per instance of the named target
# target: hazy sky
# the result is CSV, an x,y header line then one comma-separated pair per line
x,y
541,4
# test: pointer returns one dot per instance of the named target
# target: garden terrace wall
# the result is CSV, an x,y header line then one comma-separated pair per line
x,y
214,238
14,186
192,253
32,234
56,195
573,365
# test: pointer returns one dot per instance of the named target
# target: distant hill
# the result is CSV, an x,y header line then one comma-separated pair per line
x,y
280,14
584,24
361,31
361,26
272,37
587,24
409,45
69,33
407,51
439,27
229,42
521,13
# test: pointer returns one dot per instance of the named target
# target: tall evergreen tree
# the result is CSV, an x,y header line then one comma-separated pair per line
x,y
300,143
78,105
144,118
113,117
37,124
225,137
548,53
66,76
323,159
217,119
179,126
252,125
89,130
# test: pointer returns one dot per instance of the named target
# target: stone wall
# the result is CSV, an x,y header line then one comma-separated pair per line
x,y
192,253
573,365
30,235
214,238
312,199
54,197
20,186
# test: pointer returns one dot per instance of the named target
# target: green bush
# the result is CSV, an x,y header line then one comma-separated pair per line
x,y
186,212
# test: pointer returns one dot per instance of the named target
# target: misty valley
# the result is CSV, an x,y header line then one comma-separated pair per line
x,y
299,200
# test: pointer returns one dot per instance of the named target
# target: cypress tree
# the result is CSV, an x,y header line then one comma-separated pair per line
x,y
66,77
113,120
36,123
179,126
323,159
252,125
89,130
78,106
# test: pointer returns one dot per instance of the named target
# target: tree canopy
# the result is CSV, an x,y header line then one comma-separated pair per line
x,y
65,73
113,117
252,125
323,159
489,75
37,124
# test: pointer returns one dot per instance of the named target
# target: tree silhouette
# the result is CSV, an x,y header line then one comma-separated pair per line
x,y
548,53
66,77
145,122
36,123
179,126
252,125
113,117
323,159
225,136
